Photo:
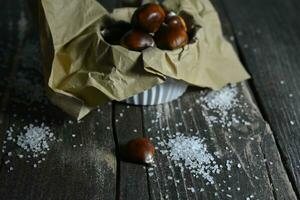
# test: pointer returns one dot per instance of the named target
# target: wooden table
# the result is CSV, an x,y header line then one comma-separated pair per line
x,y
265,155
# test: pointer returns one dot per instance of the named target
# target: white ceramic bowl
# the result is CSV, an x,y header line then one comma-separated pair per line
x,y
163,93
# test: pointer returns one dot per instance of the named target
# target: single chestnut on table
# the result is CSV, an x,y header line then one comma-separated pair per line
x,y
139,150
137,40
149,17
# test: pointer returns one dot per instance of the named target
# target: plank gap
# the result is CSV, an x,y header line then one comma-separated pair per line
x,y
117,150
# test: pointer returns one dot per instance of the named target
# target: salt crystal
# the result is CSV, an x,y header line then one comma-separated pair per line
x,y
196,158
292,122
73,135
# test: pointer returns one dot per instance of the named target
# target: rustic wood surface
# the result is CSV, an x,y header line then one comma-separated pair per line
x,y
86,164
267,33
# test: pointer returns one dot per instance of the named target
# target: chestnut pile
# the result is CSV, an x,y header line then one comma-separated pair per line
x,y
151,25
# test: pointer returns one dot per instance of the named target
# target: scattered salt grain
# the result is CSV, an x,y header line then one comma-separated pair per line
x,y
282,82
196,158
228,164
73,135
33,140
292,122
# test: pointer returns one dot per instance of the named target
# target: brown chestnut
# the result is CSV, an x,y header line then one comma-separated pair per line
x,y
169,37
115,31
189,20
149,17
139,150
137,40
176,21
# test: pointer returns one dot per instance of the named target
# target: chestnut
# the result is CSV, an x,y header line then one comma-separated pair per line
x,y
149,17
176,21
115,31
170,37
139,150
189,20
137,40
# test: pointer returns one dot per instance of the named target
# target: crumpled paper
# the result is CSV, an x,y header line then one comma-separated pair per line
x,y
83,71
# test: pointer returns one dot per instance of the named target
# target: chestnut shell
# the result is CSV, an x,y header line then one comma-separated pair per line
x,y
170,38
139,150
149,17
137,40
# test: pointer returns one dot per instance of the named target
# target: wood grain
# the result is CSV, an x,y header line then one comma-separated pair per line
x,y
267,33
133,177
252,147
82,166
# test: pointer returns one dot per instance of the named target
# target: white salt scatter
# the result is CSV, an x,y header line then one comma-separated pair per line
x,y
282,82
149,129
191,189
107,128
291,95
74,145
292,122
135,130
239,165
11,168
9,153
229,196
6,162
238,189
116,120
190,110
228,164
73,135
70,122
21,156
80,145
150,174
170,177
121,114
196,157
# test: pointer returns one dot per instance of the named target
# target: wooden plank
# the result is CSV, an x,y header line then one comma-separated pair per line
x,y
11,43
256,168
133,177
81,166
267,33
253,149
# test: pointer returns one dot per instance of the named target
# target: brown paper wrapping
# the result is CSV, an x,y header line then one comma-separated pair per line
x,y
83,71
